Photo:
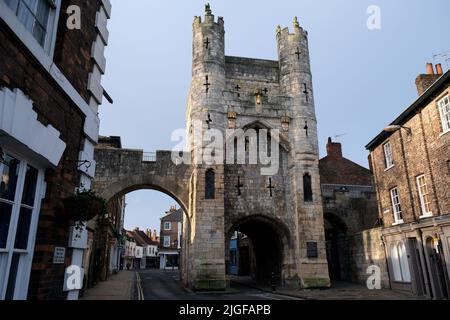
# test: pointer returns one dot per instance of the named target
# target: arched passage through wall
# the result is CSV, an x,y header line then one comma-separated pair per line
x,y
335,235
181,261
262,243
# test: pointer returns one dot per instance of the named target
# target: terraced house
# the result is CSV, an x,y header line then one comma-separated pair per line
x,y
50,91
411,164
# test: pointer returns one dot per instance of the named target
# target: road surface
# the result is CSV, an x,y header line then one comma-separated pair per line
x,y
165,285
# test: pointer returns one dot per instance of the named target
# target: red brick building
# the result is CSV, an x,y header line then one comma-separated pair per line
x,y
50,91
411,165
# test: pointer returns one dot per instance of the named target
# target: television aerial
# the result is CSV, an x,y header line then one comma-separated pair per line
x,y
443,56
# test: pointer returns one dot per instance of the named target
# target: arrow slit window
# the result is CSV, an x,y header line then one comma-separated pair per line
x,y
210,189
307,188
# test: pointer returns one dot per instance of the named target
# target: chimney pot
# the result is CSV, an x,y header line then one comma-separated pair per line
x,y
430,69
439,70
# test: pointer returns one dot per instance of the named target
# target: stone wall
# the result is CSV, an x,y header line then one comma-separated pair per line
x,y
366,249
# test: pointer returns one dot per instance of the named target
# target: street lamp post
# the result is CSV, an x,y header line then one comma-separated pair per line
x,y
395,128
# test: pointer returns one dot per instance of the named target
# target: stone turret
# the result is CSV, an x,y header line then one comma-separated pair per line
x,y
208,70
296,83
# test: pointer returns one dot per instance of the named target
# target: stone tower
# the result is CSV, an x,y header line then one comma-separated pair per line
x,y
206,264
282,213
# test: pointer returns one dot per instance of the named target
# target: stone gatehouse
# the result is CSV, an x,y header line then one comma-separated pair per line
x,y
282,213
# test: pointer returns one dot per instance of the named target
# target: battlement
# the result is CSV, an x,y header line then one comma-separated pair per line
x,y
297,31
237,67
209,19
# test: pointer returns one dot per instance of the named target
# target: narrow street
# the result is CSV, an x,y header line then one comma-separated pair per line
x,y
165,285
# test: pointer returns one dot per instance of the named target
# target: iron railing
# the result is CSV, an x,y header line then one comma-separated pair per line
x,y
149,157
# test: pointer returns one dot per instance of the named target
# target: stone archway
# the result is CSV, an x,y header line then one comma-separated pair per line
x,y
266,242
121,171
337,255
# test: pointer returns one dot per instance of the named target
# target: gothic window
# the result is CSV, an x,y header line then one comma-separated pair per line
x,y
210,189
307,188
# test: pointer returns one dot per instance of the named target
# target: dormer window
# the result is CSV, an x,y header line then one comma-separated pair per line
x,y
38,17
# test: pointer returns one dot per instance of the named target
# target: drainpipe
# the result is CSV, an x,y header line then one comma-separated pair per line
x,y
386,260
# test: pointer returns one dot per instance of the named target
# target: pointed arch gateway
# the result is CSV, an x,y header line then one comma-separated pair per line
x,y
263,245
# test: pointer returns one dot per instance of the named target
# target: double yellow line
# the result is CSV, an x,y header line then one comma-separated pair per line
x,y
140,292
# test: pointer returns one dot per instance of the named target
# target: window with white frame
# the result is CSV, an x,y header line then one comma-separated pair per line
x,y
444,110
166,241
396,206
20,187
388,157
38,17
167,226
400,264
424,196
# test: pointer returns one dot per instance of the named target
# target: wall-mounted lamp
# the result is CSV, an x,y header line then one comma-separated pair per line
x,y
395,128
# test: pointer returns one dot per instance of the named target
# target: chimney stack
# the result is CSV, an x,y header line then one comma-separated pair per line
x,y
425,81
334,149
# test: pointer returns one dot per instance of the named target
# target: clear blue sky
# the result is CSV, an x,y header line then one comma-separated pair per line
x,y
362,79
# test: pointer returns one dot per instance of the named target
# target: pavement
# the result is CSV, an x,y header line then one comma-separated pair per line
x,y
338,291
121,286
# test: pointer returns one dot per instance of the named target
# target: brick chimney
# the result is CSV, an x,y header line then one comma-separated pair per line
x,y
334,149
424,81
